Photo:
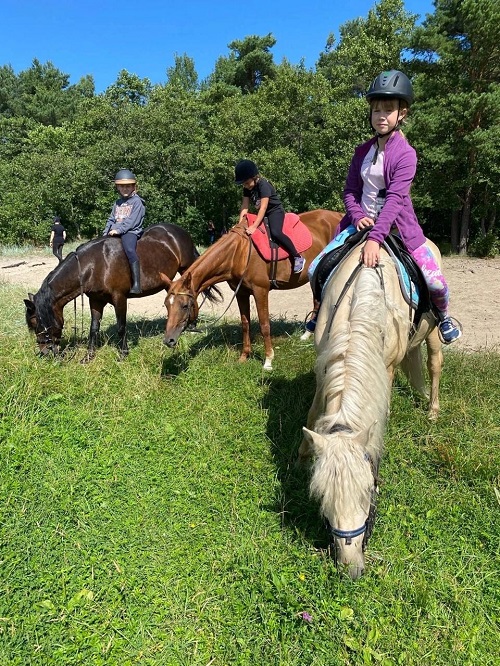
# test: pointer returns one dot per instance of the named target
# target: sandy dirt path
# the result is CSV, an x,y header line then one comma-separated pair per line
x,y
474,285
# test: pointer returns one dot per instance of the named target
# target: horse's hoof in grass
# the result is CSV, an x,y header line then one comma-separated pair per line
x,y
87,358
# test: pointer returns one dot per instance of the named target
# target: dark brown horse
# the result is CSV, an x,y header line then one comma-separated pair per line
x,y
100,270
233,258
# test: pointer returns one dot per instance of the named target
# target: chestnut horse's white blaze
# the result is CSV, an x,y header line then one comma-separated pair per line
x,y
358,351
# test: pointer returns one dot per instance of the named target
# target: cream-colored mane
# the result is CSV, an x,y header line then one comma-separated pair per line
x,y
358,350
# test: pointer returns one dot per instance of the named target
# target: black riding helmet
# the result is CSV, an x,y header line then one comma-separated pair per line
x,y
393,85
244,170
125,177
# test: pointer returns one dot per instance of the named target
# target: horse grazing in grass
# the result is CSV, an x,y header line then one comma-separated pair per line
x,y
361,336
101,270
233,258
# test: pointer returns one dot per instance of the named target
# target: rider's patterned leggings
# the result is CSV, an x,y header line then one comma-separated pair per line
x,y
438,287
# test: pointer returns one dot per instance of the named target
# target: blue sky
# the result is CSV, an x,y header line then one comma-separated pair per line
x,y
102,37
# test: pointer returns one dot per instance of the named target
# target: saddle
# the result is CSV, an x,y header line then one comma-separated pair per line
x,y
412,282
293,227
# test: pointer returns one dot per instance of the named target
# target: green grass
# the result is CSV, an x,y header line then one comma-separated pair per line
x,y
151,512
43,250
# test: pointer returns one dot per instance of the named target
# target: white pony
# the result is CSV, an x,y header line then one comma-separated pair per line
x,y
361,336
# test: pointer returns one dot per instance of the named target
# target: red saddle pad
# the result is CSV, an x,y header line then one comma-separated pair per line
x,y
293,227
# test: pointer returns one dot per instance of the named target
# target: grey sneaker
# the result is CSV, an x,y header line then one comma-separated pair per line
x,y
298,264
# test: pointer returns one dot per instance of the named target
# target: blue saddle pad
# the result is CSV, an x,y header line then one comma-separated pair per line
x,y
409,289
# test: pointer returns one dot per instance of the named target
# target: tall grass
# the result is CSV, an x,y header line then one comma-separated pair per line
x,y
152,512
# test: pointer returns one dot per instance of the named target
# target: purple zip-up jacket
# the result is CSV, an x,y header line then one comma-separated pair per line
x,y
400,164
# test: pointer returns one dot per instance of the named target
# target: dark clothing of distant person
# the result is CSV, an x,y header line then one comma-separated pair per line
x,y
57,239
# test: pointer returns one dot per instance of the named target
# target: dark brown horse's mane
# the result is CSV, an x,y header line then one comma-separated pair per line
x,y
44,299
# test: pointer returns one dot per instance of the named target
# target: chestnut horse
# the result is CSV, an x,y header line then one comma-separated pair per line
x,y
101,270
361,336
233,258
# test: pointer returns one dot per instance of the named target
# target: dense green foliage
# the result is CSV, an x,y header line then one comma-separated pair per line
x,y
152,512
61,144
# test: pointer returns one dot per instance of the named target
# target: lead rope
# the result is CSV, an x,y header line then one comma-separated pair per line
x,y
75,327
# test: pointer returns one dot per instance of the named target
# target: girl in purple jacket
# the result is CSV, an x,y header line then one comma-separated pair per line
x,y
377,191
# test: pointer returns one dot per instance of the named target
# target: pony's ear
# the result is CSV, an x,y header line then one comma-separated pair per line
x,y
31,297
368,433
166,280
317,442
30,306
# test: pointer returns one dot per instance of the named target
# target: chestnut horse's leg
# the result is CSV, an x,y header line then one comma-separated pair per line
x,y
243,299
261,296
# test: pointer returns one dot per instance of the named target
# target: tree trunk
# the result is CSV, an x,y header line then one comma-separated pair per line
x,y
454,231
465,222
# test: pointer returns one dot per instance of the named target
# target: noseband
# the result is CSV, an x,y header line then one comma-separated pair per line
x,y
348,535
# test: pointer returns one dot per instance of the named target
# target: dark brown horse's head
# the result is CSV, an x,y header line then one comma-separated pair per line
x,y
182,307
45,325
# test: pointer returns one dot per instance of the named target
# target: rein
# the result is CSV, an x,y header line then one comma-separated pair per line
x,y
75,327
344,291
182,293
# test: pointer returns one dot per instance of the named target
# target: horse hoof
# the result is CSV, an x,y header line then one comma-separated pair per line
x,y
87,359
268,366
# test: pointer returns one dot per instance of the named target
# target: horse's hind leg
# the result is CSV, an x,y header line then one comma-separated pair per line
x,y
435,367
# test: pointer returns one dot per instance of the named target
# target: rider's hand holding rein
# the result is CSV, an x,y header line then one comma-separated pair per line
x,y
370,254
260,216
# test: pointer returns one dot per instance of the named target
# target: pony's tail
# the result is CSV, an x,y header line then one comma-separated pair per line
x,y
413,368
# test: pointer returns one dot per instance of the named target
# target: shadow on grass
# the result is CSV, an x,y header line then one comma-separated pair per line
x,y
288,402
207,336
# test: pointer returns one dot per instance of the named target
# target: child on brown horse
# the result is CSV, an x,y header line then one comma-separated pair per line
x,y
126,221
262,194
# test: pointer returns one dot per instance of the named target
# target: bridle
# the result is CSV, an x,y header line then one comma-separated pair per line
x,y
193,298
190,308
48,342
367,527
